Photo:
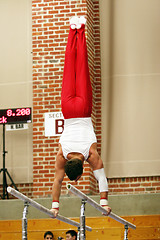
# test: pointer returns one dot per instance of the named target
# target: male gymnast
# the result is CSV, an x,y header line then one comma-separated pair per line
x,y
78,142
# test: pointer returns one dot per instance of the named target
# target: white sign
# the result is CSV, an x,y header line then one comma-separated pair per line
x,y
17,126
54,123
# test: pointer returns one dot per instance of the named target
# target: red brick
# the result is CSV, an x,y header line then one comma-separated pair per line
x,y
156,184
135,185
139,189
146,184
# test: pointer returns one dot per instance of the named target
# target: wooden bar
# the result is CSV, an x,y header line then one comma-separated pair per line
x,y
98,207
43,209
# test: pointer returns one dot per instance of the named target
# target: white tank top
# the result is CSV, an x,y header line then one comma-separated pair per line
x,y
78,136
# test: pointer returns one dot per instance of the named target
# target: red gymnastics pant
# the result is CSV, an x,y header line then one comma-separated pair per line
x,y
76,97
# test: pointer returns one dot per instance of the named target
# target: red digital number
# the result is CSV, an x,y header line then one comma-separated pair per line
x,y
28,111
18,110
23,111
9,112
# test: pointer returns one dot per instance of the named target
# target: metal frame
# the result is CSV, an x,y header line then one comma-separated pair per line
x,y
98,207
126,232
24,221
85,199
81,226
82,221
43,209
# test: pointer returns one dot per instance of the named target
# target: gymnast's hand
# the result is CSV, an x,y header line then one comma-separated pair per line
x,y
54,211
108,209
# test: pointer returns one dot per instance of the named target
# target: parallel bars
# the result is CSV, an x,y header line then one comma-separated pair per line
x,y
43,209
98,207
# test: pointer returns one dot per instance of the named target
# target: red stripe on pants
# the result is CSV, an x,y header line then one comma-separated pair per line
x,y
76,97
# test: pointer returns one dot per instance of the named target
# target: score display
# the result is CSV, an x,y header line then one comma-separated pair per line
x,y
15,115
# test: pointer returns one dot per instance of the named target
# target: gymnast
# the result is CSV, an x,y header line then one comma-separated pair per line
x,y
78,142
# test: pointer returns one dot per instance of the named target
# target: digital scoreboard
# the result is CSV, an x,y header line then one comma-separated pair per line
x,y
15,115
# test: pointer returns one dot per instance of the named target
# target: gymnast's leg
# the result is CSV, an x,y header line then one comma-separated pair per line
x,y
83,84
69,75
76,87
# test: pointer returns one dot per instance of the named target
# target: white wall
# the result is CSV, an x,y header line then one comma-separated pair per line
x,y
16,83
130,58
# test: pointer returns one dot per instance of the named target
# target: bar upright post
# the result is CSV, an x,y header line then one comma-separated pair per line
x,y
82,221
24,221
126,232
78,234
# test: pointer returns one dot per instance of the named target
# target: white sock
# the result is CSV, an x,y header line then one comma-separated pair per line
x,y
82,20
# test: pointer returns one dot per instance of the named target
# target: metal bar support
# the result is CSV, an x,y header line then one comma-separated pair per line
x,y
82,221
126,232
24,221
78,234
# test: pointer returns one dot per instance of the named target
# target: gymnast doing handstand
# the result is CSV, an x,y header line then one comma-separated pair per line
x,y
78,142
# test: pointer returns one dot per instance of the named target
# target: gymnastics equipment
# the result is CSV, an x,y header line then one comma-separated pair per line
x,y
81,226
28,201
85,199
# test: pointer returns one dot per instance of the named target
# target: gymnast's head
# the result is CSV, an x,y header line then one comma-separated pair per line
x,y
74,169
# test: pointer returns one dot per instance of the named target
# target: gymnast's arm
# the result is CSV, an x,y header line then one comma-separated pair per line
x,y
96,163
59,175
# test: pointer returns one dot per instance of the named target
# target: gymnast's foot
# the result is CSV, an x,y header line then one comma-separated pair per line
x,y
74,21
77,22
82,20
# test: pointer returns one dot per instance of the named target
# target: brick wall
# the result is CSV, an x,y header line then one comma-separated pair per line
x,y
134,185
117,186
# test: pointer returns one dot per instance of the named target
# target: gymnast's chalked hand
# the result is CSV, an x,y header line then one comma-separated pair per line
x,y
108,209
55,211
